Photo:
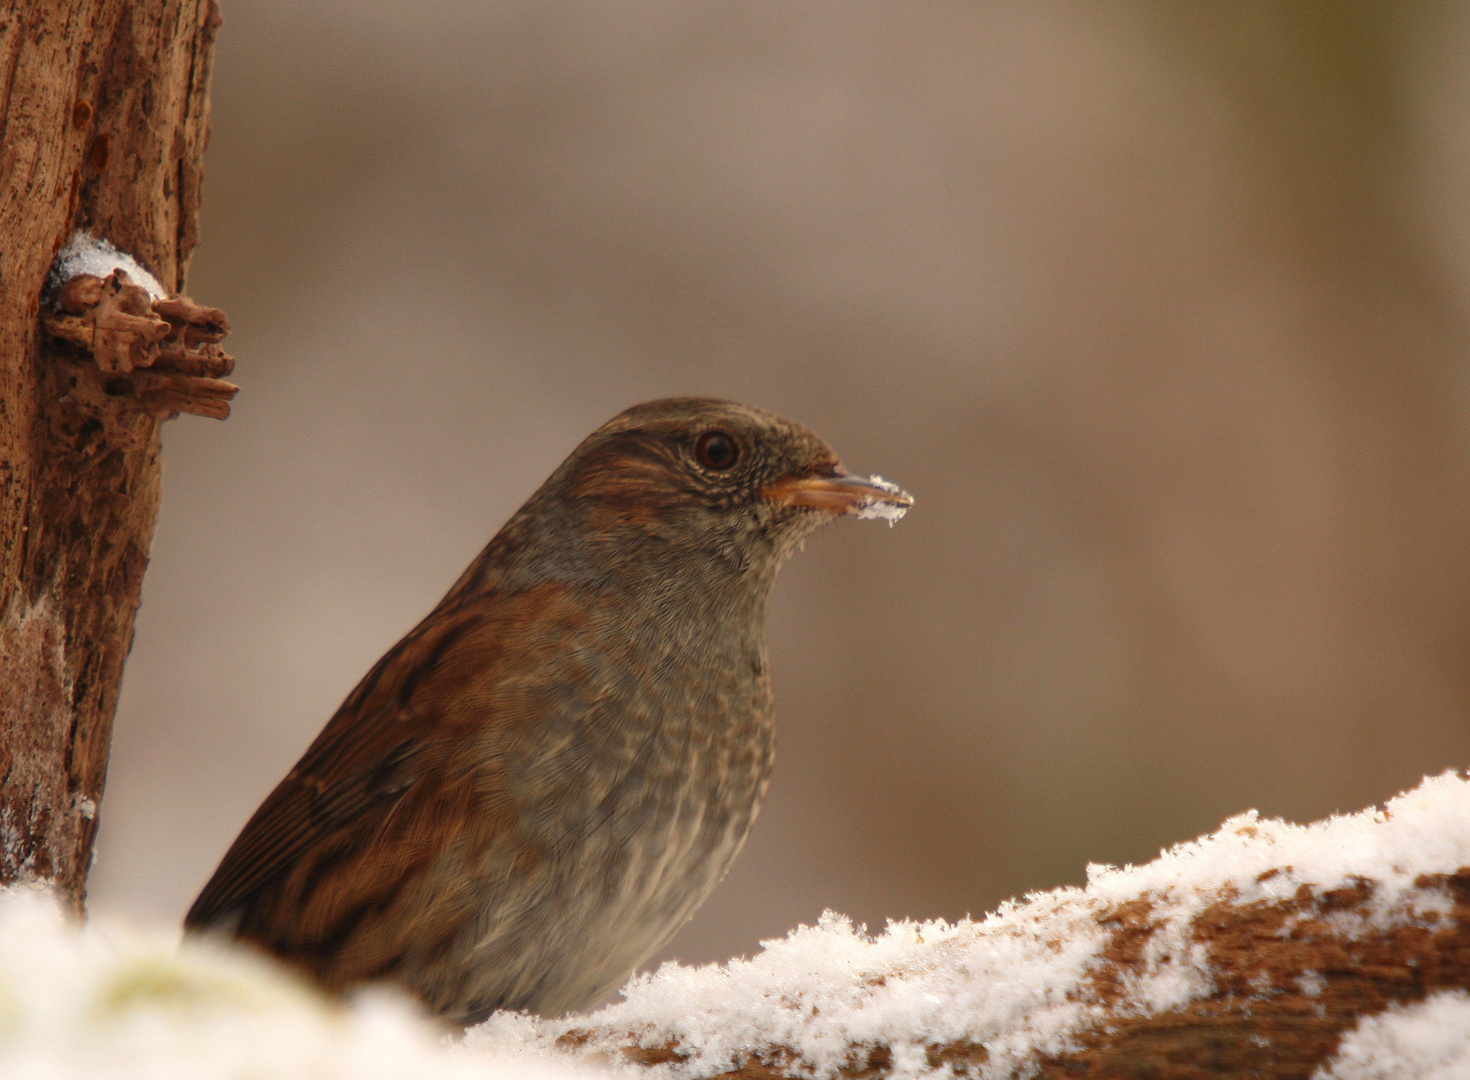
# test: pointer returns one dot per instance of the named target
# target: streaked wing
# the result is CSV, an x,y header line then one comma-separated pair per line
x,y
396,775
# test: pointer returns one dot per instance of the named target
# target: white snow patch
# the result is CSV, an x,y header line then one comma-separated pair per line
x,y
108,1003
1016,981
1311,983
87,254
883,508
1426,1041
1424,831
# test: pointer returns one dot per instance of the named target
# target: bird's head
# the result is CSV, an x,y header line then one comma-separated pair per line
x,y
701,475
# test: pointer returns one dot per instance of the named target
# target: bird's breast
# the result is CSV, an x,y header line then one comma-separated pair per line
x,y
642,792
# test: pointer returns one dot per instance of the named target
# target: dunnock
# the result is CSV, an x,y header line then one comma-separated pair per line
x,y
532,791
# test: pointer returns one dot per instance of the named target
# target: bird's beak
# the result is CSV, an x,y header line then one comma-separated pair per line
x,y
842,493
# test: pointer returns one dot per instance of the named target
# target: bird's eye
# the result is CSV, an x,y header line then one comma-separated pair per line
x,y
716,450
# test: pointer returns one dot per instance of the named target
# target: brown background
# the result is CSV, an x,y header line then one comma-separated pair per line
x,y
1161,310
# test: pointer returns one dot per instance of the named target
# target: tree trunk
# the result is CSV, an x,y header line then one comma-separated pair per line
x,y
104,115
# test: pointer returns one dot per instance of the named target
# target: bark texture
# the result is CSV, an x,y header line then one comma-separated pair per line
x,y
104,116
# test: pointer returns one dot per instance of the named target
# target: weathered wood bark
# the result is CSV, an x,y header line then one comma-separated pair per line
x,y
104,115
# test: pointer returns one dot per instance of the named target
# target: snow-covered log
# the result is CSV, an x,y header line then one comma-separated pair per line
x,y
1250,952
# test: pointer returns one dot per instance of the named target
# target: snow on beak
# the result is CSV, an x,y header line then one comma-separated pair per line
x,y
840,492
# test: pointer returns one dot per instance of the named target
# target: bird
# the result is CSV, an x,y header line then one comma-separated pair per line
x,y
527,795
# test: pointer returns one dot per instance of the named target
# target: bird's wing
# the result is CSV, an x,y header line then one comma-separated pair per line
x,y
402,768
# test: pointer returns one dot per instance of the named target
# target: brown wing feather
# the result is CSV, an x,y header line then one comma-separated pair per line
x,y
370,798
370,751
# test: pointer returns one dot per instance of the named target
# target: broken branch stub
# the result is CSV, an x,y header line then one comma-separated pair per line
x,y
160,356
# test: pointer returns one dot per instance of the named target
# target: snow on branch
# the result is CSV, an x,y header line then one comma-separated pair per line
x,y
1249,952
1426,1041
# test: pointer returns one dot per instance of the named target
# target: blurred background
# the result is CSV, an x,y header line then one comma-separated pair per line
x,y
1162,310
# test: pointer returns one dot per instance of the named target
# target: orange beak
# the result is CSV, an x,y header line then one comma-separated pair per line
x,y
842,493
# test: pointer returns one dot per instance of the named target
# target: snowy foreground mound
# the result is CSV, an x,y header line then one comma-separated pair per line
x,y
107,1003
1260,920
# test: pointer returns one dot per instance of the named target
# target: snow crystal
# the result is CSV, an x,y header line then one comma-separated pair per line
x,y
1426,1041
1015,982
884,508
86,254
106,1003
